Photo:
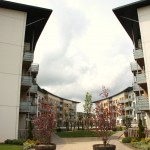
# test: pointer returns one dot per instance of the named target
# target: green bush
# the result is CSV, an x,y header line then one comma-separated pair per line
x,y
14,142
141,145
127,140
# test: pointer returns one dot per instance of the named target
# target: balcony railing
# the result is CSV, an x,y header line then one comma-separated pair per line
x,y
130,116
60,111
26,81
128,107
141,78
142,103
34,67
122,117
136,87
135,66
34,70
34,89
122,108
126,100
138,54
28,56
26,107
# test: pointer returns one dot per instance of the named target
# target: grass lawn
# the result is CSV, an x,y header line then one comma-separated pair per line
x,y
78,133
10,147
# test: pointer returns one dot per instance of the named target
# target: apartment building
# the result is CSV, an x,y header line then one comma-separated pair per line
x,y
20,27
135,19
63,109
121,105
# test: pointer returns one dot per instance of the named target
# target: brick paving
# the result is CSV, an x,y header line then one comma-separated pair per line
x,y
86,143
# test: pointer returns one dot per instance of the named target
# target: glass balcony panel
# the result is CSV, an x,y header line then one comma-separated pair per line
x,y
25,106
34,68
122,117
26,81
135,66
136,87
128,107
28,56
33,89
138,54
33,109
142,103
130,116
141,78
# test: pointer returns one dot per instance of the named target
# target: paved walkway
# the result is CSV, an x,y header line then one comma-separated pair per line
x,y
87,143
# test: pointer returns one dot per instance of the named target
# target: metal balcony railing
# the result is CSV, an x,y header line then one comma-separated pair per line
x,y
135,66
138,54
136,87
28,56
141,78
142,103
26,81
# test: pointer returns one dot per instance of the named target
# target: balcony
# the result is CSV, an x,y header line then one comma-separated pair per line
x,y
126,100
130,116
60,111
138,54
139,57
141,78
34,70
142,104
33,89
27,59
135,67
136,87
122,108
128,108
26,107
26,81
122,117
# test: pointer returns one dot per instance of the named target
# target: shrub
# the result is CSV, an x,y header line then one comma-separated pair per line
x,y
127,140
30,144
141,145
135,139
141,129
14,142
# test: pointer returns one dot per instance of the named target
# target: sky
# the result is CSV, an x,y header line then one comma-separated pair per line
x,y
82,48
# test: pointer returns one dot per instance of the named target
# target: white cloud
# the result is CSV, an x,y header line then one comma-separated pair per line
x,y
83,47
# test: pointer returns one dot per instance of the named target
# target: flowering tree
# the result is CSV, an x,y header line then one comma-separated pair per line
x,y
104,117
44,124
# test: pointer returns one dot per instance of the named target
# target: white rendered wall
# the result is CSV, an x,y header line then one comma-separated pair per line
x,y
12,31
144,21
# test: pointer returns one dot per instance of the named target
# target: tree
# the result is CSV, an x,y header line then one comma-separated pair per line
x,y
105,92
104,118
30,135
87,109
88,104
44,124
141,129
